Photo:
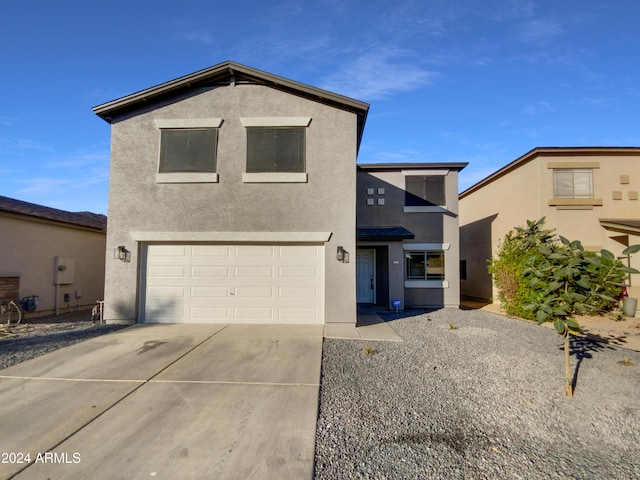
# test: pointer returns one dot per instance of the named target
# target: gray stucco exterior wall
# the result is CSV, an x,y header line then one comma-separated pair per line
x,y
436,227
325,203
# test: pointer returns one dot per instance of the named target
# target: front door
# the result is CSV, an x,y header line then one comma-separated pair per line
x,y
365,276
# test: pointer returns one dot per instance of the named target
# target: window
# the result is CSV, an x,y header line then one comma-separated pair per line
x,y
424,265
188,150
271,150
573,183
424,191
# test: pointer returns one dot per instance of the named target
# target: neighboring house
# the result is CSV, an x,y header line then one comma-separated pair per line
x,y
55,255
233,190
585,193
408,236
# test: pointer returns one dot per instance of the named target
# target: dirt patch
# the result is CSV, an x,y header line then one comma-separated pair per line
x,y
612,329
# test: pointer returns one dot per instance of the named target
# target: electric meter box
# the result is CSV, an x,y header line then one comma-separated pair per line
x,y
64,270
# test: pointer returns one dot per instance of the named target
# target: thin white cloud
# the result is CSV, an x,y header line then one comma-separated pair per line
x,y
198,36
378,74
538,108
540,30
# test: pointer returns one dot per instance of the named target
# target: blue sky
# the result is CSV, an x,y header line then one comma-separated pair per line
x,y
478,81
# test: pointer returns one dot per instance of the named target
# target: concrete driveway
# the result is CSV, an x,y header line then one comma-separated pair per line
x,y
166,401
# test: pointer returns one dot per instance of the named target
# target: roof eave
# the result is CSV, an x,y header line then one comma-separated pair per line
x,y
531,154
106,109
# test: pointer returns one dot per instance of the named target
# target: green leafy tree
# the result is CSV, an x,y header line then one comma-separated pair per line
x,y
514,291
565,281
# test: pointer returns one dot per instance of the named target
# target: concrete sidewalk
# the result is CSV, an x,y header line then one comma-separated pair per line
x,y
167,401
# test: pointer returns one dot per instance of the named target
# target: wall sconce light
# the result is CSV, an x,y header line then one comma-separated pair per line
x,y
342,255
123,254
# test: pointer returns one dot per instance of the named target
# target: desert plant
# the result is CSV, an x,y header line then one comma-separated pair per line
x,y
368,350
514,292
569,281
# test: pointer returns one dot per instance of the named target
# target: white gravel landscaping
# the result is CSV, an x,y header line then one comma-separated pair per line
x,y
474,395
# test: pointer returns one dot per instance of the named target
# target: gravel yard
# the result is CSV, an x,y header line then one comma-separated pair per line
x,y
37,336
475,395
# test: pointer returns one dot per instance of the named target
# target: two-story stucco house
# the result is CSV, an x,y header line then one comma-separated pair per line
x,y
585,193
408,237
233,197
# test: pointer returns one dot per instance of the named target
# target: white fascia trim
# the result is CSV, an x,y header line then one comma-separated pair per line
x,y
425,209
426,284
275,121
424,173
426,246
274,177
188,122
233,237
183,177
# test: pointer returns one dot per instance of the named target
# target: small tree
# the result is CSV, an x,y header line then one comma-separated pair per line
x,y
567,281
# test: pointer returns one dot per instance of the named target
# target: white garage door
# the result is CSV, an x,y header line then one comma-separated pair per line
x,y
234,284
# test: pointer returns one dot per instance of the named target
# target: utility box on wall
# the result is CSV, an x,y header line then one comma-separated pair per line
x,y
64,269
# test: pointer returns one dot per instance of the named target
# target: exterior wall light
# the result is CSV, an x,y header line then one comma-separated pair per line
x,y
342,255
123,254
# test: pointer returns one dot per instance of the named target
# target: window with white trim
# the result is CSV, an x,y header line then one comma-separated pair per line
x,y
424,191
424,265
275,150
573,183
188,150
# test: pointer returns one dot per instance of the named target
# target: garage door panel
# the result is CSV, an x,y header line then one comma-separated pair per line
x,y
298,272
254,292
243,251
159,271
235,283
298,292
210,271
209,292
254,271
253,313
169,250
293,313
211,251
206,313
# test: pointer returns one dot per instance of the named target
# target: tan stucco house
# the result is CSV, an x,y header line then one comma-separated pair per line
x,y
234,193
54,255
585,193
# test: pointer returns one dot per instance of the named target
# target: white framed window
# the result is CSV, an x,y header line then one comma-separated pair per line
x,y
425,265
276,149
573,183
425,191
188,150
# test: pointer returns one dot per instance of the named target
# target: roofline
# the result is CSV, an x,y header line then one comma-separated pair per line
x,y
619,226
53,221
412,166
14,208
531,154
105,109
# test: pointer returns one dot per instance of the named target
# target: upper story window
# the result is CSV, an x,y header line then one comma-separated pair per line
x,y
424,191
188,150
276,149
573,183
